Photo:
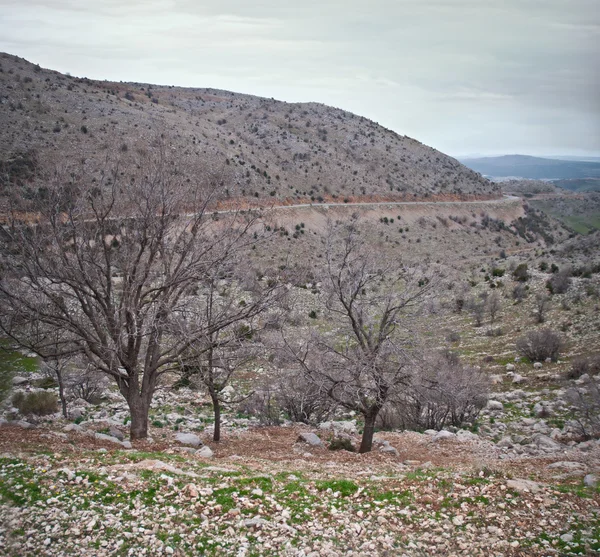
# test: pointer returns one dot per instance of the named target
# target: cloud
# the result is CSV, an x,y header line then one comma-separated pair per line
x,y
462,75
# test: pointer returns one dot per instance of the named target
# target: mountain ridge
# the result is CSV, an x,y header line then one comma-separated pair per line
x,y
268,149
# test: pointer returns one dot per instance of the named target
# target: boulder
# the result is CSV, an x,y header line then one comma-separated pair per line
x,y
537,365
518,379
443,434
510,367
116,433
18,380
568,466
590,480
76,413
204,452
348,427
495,405
190,439
463,435
523,486
506,442
387,448
546,443
104,437
73,427
311,439
23,424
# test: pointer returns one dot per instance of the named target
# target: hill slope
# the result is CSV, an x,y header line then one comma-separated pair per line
x,y
269,148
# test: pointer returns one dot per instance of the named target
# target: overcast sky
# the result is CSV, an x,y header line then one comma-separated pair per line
x,y
464,76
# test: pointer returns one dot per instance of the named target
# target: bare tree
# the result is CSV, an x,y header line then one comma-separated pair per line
x,y
493,304
542,301
365,363
227,318
111,261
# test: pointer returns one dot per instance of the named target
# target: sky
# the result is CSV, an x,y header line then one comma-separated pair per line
x,y
464,76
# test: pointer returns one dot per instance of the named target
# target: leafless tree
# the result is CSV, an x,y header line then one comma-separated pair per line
x,y
221,322
493,305
542,301
111,260
365,362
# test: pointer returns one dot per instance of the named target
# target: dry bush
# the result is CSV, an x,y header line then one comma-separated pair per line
x,y
539,345
39,403
584,401
443,392
302,400
584,365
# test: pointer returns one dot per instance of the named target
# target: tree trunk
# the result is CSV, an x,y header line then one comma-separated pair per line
x,y
217,410
138,408
366,443
61,393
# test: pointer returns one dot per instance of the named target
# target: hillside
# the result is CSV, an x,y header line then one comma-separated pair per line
x,y
534,168
269,149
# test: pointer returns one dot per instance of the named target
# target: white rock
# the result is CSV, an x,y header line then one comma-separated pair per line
x,y
510,367
590,480
537,365
495,405
523,486
188,439
311,439
204,452
443,434
103,437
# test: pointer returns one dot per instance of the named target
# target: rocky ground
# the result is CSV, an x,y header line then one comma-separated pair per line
x,y
73,489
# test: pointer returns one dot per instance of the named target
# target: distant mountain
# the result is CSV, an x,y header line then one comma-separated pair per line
x,y
533,168
270,150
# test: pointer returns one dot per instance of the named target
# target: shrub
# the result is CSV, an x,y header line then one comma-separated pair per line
x,y
520,273
39,403
453,337
519,292
539,345
443,392
497,272
582,366
6,376
559,283
341,444
584,404
312,314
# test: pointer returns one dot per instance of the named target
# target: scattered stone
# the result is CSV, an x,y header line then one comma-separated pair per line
x,y
25,425
567,538
510,367
188,439
537,365
311,439
591,480
518,379
73,427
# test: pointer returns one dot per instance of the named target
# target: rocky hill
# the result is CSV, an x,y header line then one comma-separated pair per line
x,y
270,149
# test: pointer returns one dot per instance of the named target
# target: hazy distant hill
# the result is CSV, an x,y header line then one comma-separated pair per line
x,y
269,148
535,168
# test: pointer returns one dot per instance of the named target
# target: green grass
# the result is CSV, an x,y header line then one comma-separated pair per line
x,y
13,361
344,487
